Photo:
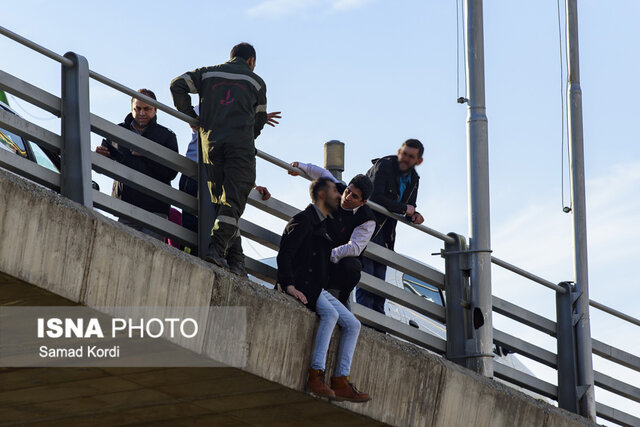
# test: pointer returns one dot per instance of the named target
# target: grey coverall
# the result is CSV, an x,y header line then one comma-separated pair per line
x,y
233,111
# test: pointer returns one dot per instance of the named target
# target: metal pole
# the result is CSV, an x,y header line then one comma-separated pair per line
x,y
478,165
75,159
583,330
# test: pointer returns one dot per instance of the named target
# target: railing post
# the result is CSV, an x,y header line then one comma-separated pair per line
x,y
567,358
206,209
75,169
456,282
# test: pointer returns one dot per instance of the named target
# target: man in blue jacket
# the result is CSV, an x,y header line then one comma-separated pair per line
x,y
395,187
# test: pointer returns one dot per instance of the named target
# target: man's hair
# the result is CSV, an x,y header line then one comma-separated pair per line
x,y
318,185
414,143
364,184
244,51
146,92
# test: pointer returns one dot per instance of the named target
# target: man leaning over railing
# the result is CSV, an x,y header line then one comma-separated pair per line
x,y
395,187
351,229
143,121
302,273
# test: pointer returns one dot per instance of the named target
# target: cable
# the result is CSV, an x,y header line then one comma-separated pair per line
x,y
460,99
15,100
565,208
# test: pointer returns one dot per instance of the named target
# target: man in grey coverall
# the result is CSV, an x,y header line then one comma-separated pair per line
x,y
233,111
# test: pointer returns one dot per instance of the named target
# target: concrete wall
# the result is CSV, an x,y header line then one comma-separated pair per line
x,y
74,252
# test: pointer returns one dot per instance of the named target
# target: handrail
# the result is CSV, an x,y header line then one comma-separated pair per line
x,y
34,46
614,312
527,275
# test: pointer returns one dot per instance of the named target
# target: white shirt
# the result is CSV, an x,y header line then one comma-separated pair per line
x,y
360,235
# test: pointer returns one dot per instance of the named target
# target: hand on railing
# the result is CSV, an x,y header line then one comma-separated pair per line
x,y
271,118
417,218
102,150
294,173
263,191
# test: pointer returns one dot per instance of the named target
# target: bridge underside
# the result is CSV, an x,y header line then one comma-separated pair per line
x,y
175,396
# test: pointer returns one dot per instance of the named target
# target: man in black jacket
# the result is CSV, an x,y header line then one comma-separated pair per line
x,y
143,121
303,262
395,187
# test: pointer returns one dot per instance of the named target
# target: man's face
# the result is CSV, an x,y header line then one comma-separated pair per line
x,y
408,158
332,197
351,198
142,113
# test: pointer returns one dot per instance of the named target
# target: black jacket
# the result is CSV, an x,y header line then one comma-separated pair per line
x,y
121,154
303,259
385,176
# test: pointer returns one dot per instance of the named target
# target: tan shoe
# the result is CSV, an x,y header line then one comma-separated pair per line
x,y
344,390
316,384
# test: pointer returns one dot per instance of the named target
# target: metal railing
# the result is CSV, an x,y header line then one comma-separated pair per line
x,y
457,315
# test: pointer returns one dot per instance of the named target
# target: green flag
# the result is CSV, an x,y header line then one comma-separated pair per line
x,y
3,97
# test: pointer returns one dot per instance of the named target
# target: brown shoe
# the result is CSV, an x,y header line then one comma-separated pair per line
x,y
344,390
316,384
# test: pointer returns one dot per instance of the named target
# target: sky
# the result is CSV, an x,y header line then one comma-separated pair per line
x,y
373,73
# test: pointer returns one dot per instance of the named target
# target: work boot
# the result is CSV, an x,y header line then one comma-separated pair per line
x,y
238,268
344,390
214,258
316,384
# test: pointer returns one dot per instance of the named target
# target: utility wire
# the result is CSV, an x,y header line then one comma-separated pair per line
x,y
15,101
461,99
563,82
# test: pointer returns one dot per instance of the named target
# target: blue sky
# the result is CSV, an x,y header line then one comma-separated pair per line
x,y
373,73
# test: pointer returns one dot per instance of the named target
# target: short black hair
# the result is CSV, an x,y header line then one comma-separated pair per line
x,y
244,51
364,184
146,92
414,143
318,185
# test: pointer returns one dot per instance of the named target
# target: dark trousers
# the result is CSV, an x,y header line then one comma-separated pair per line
x,y
190,222
343,277
378,270
231,171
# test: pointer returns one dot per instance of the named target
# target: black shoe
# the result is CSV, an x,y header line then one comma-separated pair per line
x,y
238,268
213,257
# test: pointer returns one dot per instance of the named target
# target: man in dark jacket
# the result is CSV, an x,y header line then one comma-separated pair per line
x,y
395,187
303,259
143,121
233,111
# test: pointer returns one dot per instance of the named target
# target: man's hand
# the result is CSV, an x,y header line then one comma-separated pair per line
x,y
416,218
410,210
195,127
271,118
292,173
101,149
263,191
291,290
135,153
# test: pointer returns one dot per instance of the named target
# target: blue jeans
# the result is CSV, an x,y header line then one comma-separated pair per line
x,y
332,311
